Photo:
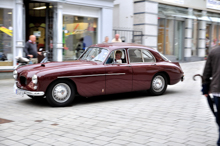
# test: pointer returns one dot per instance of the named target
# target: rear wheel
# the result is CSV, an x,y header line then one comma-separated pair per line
x,y
60,93
158,84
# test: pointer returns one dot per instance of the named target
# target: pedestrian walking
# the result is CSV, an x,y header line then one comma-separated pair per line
x,y
80,47
30,49
116,39
212,70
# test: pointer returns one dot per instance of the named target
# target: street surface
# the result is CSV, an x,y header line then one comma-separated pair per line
x,y
180,117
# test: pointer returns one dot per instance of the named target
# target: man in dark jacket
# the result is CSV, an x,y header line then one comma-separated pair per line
x,y
30,49
212,70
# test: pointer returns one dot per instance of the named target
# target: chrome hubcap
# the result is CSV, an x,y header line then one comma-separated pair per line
x,y
158,83
61,92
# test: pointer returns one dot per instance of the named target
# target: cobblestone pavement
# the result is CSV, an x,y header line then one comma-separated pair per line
x,y
180,117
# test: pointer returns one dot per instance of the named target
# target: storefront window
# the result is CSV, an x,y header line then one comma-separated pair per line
x,y
207,42
78,34
6,44
169,37
178,44
214,35
213,29
194,37
161,36
218,43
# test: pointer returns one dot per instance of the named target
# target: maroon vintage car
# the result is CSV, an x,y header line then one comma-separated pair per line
x,y
102,69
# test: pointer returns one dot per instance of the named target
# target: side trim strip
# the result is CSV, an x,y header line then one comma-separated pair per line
x,y
113,74
93,75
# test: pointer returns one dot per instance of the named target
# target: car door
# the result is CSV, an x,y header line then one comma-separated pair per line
x,y
143,66
118,75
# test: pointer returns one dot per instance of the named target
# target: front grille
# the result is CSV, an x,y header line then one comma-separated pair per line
x,y
23,80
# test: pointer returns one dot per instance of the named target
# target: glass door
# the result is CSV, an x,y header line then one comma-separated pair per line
x,y
178,40
39,22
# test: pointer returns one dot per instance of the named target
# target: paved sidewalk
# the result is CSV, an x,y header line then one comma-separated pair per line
x,y
180,117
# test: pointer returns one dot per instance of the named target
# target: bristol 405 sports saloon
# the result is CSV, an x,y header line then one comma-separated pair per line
x,y
102,69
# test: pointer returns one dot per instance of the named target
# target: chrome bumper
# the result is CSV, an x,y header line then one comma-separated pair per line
x,y
31,93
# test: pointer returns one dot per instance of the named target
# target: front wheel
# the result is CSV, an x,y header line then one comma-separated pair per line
x,y
60,93
158,84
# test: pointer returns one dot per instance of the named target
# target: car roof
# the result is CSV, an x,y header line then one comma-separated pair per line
x,y
115,46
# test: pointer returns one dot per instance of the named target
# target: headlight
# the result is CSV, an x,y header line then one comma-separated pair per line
x,y
34,79
15,74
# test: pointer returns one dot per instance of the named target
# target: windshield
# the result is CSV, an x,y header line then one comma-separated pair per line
x,y
95,54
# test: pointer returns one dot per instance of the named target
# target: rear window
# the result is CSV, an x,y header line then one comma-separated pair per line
x,y
140,55
164,58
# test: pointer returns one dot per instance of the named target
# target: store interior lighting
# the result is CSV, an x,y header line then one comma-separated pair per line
x,y
42,7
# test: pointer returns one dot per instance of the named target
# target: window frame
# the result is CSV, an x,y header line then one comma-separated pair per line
x,y
141,55
80,57
114,56
154,59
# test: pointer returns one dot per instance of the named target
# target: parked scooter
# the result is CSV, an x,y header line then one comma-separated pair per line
x,y
21,61
25,61
45,53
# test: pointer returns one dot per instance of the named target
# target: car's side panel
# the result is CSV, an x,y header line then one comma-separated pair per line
x,y
118,78
91,85
142,75
89,81
174,72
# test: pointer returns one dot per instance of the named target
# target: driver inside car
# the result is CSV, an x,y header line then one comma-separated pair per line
x,y
118,55
118,58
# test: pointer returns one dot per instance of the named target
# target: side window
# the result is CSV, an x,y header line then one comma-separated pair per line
x,y
135,55
117,56
110,58
147,56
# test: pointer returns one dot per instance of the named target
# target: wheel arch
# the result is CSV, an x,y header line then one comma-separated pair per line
x,y
166,74
67,79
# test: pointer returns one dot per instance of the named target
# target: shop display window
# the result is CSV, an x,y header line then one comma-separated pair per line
x,y
6,37
194,37
169,37
168,50
214,35
78,34
160,41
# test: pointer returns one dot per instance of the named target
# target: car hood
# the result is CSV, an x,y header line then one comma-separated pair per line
x,y
50,67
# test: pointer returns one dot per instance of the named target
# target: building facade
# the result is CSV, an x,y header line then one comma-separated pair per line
x,y
183,30
58,25
123,14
